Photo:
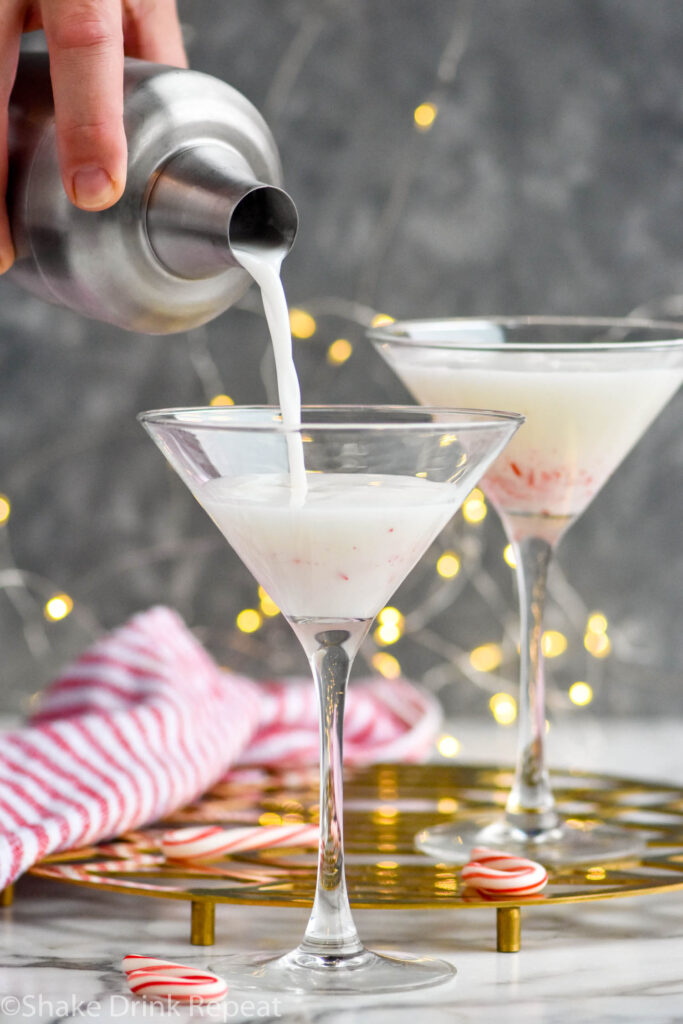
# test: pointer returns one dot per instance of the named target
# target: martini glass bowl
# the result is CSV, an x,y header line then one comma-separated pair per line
x,y
589,389
380,483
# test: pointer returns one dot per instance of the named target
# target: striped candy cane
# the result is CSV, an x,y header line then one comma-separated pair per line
x,y
208,843
503,874
164,979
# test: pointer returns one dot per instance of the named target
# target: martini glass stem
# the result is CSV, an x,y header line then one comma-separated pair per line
x,y
530,807
331,932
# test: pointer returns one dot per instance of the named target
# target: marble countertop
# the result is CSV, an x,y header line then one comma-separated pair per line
x,y
612,962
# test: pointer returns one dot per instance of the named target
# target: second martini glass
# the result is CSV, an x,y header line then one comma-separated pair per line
x,y
380,483
589,388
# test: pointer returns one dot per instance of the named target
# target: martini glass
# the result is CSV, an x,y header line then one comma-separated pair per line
x,y
588,388
380,484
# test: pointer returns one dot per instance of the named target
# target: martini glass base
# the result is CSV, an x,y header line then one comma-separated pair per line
x,y
361,973
571,842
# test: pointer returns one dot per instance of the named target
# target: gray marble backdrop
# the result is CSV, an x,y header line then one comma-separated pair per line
x,y
551,181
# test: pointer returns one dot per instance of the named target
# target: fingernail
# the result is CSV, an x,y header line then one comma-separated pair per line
x,y
93,188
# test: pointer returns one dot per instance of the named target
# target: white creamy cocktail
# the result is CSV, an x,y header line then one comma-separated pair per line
x,y
589,388
380,483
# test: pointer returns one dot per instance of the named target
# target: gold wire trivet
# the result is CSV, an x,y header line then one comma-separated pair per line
x,y
384,807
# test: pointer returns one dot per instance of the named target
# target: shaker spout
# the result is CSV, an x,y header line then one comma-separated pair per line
x,y
204,204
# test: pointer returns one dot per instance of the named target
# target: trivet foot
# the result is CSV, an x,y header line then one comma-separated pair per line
x,y
508,930
203,927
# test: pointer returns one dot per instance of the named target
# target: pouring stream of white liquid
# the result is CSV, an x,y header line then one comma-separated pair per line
x,y
264,265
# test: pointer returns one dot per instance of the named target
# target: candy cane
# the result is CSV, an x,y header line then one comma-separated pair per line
x,y
502,874
163,979
211,843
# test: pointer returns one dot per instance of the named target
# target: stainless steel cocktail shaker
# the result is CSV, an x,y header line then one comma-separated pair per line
x,y
203,172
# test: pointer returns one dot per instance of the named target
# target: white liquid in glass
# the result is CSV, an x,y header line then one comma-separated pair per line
x,y
579,426
342,553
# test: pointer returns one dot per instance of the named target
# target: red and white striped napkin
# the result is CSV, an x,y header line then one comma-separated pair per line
x,y
145,721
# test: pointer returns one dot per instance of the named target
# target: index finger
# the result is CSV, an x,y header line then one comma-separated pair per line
x,y
85,42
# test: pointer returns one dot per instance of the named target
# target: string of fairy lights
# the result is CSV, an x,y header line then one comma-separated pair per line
x,y
442,569
451,566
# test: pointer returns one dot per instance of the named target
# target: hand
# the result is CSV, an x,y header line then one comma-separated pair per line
x,y
86,41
